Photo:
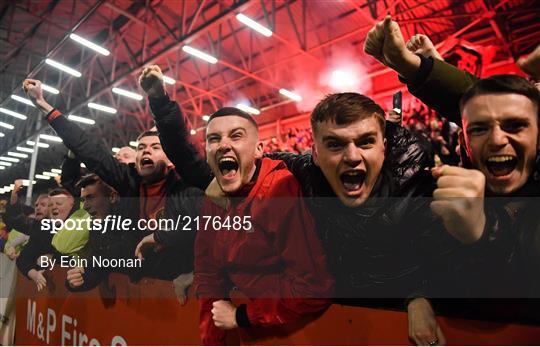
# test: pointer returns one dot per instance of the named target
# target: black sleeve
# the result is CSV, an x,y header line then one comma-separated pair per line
x,y
188,204
440,86
96,157
304,169
15,218
38,245
174,136
71,174
298,164
92,277
407,156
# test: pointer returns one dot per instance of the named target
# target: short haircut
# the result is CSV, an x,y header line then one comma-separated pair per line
x,y
59,191
233,111
91,179
42,195
346,108
147,133
502,84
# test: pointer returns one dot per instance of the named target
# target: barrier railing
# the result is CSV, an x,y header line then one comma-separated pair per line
x,y
148,313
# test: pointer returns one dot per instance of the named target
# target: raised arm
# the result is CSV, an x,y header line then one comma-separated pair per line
x,y
173,131
71,173
438,84
86,148
15,217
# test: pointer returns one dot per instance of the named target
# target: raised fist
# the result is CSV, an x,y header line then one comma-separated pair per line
x,y
421,44
18,184
386,44
531,63
459,201
33,90
151,81
74,277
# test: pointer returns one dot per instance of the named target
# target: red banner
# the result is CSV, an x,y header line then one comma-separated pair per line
x,y
148,314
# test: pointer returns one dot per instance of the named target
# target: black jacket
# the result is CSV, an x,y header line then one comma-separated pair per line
x,y
180,199
378,250
39,242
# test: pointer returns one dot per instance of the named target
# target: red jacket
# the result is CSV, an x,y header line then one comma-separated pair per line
x,y
279,264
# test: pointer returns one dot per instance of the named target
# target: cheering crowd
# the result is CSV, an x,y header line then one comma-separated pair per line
x,y
365,218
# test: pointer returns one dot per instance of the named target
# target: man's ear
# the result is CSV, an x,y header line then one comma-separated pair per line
x,y
315,154
259,150
113,197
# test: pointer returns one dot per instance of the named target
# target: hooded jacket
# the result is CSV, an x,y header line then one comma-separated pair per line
x,y
278,263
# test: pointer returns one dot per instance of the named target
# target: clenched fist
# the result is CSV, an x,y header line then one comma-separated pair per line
x,y
386,44
33,90
151,81
421,44
459,201
74,277
224,315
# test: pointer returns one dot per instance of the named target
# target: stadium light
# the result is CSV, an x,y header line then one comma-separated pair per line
x,y
24,149
115,149
254,25
102,108
168,80
58,171
23,100
133,143
89,44
13,160
206,118
63,67
12,113
5,163
42,177
83,120
193,132
7,126
17,155
2,135
248,109
50,138
51,174
290,95
127,93
49,89
199,54
40,144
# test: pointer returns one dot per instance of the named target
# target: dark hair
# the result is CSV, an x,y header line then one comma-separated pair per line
x,y
147,133
88,180
42,195
91,179
499,84
233,111
345,108
59,191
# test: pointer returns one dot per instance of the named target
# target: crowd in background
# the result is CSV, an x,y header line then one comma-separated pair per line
x,y
165,177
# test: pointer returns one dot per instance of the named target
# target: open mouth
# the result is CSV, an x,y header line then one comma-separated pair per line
x,y
146,162
228,167
353,179
501,165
